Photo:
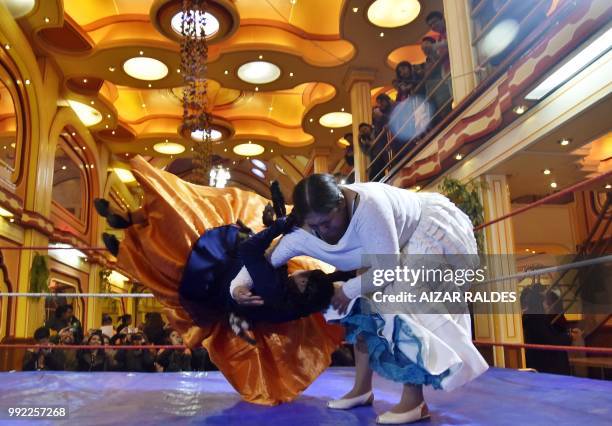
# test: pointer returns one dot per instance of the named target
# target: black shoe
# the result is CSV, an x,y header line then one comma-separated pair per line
x,y
111,242
119,222
102,206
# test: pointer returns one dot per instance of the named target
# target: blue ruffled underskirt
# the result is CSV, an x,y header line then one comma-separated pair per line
x,y
390,364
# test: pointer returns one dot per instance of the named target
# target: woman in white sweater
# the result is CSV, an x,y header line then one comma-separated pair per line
x,y
344,226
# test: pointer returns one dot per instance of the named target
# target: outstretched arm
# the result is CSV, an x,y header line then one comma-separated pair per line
x,y
286,249
252,253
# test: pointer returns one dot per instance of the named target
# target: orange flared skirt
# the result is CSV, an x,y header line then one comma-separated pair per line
x,y
287,357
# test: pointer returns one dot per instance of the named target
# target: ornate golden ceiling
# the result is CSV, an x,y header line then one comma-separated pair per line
x,y
315,43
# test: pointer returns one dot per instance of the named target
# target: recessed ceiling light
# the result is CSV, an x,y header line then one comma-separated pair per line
x,y
259,163
141,53
226,72
124,175
64,167
84,80
249,149
355,9
47,20
169,148
608,186
7,46
553,184
382,34
88,115
580,61
290,74
143,68
417,188
458,157
113,132
259,72
564,142
520,109
198,135
257,89
258,173
393,13
111,69
546,171
19,8
211,24
336,119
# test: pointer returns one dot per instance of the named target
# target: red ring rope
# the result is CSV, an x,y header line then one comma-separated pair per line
x,y
573,188
603,351
594,350
50,346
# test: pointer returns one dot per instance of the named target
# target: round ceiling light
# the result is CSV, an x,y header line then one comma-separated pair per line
x,y
259,163
89,116
124,175
169,148
249,149
19,8
393,13
198,135
211,24
259,72
143,68
336,119
258,172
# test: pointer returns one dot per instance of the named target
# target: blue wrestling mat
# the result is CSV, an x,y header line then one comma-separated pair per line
x,y
499,397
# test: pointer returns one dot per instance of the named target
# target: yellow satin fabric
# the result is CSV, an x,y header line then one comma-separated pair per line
x,y
287,357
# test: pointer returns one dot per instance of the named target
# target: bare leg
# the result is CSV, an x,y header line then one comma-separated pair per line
x,y
412,396
363,372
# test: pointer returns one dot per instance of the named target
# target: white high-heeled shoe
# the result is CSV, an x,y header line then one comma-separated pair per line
x,y
419,412
348,403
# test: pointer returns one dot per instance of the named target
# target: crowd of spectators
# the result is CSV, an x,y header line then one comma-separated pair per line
x,y
65,329
423,98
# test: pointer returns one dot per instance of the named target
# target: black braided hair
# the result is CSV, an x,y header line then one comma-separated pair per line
x,y
278,200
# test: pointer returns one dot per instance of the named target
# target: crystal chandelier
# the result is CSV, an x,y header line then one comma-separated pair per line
x,y
194,57
219,176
